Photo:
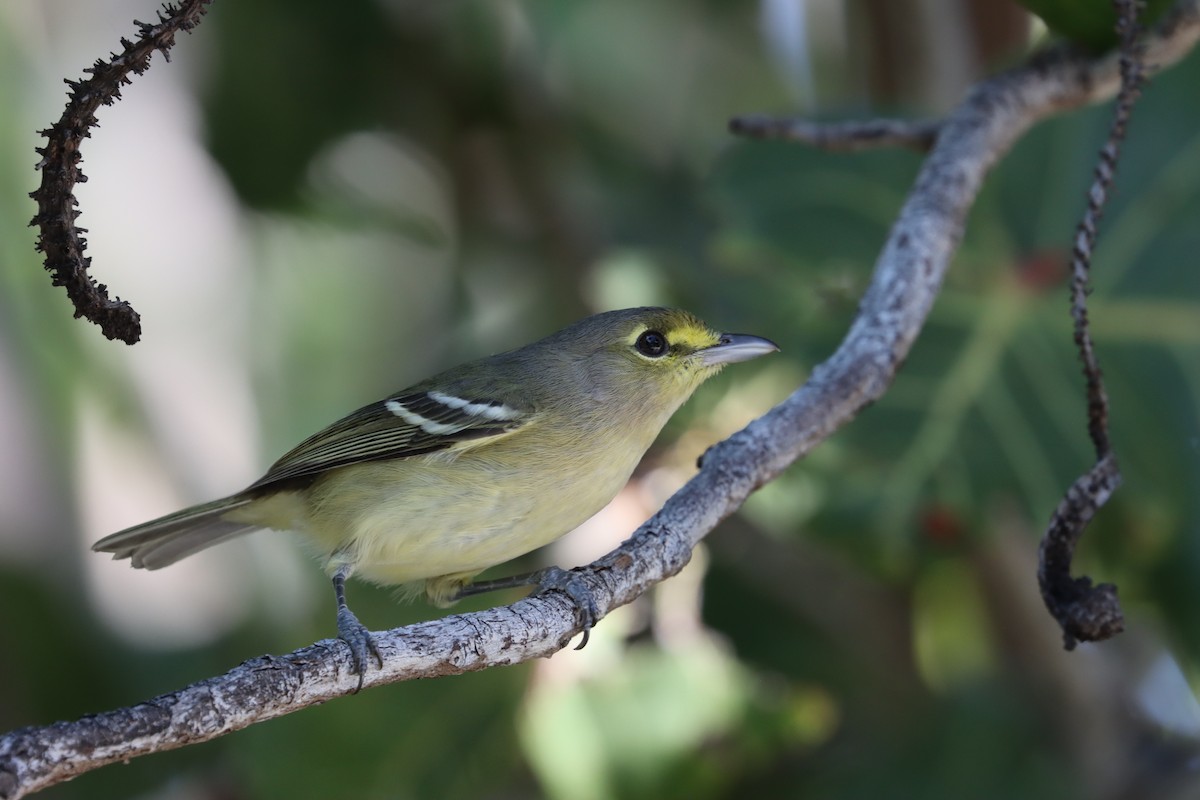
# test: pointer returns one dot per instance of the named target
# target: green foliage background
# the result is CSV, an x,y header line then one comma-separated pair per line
x,y
870,625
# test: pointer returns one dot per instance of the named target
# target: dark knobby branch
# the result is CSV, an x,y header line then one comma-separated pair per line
x,y
59,237
907,278
840,136
1085,612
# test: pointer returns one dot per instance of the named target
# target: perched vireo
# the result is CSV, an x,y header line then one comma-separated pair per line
x,y
470,468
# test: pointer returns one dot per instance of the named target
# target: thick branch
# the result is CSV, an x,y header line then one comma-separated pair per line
x,y
59,237
907,278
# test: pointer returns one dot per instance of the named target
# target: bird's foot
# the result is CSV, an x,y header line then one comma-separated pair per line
x,y
361,643
570,584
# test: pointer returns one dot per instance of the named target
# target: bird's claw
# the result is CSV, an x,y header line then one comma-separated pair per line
x,y
361,643
570,584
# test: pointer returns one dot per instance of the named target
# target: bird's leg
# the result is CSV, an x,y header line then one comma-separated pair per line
x,y
546,580
350,630
496,584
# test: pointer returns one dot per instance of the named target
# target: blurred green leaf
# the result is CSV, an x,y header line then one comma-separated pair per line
x,y
1089,22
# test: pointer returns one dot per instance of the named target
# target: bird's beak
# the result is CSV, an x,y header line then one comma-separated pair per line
x,y
735,347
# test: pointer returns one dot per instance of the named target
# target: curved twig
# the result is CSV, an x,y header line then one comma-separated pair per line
x,y
59,237
1087,613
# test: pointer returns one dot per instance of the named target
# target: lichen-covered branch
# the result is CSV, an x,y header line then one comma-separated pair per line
x,y
59,238
908,276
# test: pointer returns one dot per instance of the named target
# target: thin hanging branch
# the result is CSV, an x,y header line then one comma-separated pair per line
x,y
59,238
908,276
1085,612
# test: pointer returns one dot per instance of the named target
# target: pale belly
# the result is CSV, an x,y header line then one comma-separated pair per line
x,y
429,517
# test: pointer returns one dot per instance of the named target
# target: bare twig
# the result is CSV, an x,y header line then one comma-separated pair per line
x,y
840,136
1087,613
907,278
59,237
1084,612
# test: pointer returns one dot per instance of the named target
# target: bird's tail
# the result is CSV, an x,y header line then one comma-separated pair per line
x,y
168,539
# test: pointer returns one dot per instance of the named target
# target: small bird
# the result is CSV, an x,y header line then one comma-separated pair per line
x,y
470,468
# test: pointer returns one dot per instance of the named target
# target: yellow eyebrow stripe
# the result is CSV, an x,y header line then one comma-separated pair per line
x,y
685,337
693,338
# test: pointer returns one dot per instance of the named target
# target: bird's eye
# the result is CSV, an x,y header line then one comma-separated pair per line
x,y
652,344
